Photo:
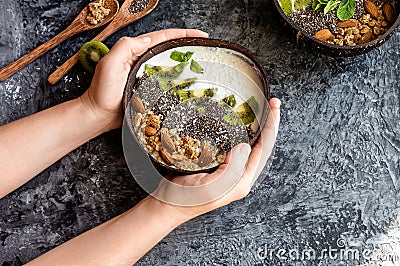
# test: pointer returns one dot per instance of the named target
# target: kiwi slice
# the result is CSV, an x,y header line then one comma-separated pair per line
x,y
176,85
252,102
229,101
185,95
165,72
91,53
233,118
244,114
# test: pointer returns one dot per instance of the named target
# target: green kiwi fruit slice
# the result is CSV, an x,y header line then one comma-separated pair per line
x,y
91,53
229,101
252,102
165,72
244,114
185,95
176,85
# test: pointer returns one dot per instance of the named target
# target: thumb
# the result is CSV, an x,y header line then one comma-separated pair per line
x,y
235,163
128,49
238,159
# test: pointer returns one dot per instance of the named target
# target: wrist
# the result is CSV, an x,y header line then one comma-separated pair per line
x,y
166,213
104,121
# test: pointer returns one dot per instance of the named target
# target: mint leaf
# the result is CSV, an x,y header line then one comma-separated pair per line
x,y
181,57
346,9
332,5
178,56
179,68
315,5
189,55
196,68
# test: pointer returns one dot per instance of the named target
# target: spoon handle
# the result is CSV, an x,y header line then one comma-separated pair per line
x,y
25,60
60,72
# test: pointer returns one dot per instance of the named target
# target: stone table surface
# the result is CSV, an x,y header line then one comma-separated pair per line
x,y
333,181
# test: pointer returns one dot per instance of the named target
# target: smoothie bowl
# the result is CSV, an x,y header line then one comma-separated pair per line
x,y
341,27
189,101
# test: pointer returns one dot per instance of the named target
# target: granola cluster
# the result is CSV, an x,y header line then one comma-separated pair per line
x,y
189,147
167,147
97,12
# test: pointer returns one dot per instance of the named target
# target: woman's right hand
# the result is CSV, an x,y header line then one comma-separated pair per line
x,y
243,163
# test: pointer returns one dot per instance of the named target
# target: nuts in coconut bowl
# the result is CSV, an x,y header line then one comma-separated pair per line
x,y
341,27
190,101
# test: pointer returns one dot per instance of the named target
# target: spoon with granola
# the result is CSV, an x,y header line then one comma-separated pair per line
x,y
94,15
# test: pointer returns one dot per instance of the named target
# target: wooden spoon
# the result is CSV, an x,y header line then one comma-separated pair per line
x,y
77,26
122,19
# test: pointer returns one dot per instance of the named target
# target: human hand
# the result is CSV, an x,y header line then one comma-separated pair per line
x,y
243,163
104,97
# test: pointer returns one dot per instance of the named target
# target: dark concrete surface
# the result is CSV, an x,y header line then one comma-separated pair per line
x,y
334,178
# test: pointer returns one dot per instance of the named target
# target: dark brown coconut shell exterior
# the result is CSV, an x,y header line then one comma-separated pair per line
x,y
336,50
132,80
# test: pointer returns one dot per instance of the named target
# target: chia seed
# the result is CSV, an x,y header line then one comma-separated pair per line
x,y
138,6
148,90
200,118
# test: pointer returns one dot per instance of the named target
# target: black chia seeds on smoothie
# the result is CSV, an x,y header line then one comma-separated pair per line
x,y
206,124
199,119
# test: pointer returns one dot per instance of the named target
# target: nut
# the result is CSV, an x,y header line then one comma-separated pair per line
x,y
153,120
138,105
166,157
150,131
205,156
364,29
367,37
348,31
371,8
138,120
389,12
372,23
378,31
324,35
167,141
348,23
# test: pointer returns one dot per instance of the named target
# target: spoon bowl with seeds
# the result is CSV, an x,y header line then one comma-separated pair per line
x,y
94,15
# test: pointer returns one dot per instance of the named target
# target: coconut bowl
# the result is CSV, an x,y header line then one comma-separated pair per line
x,y
227,66
335,50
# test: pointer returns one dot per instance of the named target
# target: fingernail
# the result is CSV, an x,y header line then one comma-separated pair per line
x,y
206,34
245,151
145,39
279,103
276,102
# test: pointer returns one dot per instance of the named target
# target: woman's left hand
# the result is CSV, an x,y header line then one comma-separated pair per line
x,y
104,97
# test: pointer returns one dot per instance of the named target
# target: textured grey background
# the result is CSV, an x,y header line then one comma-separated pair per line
x,y
335,172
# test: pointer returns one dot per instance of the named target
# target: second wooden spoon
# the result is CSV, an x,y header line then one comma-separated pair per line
x,y
77,26
130,11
